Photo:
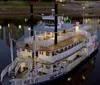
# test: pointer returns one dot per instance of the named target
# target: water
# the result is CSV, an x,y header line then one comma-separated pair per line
x,y
85,75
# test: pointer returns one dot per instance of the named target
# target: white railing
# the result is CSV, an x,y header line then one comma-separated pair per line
x,y
61,55
17,67
67,53
27,81
4,72
30,80
13,65
50,41
42,78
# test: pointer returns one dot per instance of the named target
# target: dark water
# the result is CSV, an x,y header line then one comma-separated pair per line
x,y
85,75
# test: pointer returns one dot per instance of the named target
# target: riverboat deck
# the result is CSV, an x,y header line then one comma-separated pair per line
x,y
63,43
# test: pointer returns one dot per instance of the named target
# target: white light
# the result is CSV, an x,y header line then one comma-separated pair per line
x,y
77,28
20,26
83,77
0,27
69,79
52,10
42,14
29,28
25,19
83,7
8,25
86,20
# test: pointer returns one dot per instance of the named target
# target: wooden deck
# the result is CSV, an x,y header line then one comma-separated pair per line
x,y
59,45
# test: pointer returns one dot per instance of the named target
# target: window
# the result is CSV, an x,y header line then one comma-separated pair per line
x,y
57,52
54,66
42,53
69,47
36,53
48,67
23,50
29,57
65,48
61,50
53,53
29,51
47,53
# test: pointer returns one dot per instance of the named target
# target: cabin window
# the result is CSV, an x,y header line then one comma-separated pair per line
x,y
29,57
42,66
54,66
23,49
42,53
36,53
53,53
75,44
69,47
77,56
61,50
47,53
48,67
29,51
65,48
64,31
57,52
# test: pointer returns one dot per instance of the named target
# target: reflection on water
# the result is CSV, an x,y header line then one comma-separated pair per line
x,y
17,27
20,30
79,76
17,31
1,33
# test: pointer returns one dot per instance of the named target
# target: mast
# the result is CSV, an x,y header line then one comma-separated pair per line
x,y
11,46
33,33
56,21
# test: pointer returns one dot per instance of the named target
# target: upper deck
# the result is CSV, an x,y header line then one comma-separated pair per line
x,y
60,44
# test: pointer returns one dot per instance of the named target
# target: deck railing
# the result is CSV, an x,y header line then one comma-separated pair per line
x,y
62,55
4,72
30,80
22,81
50,41
13,65
67,53
17,67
